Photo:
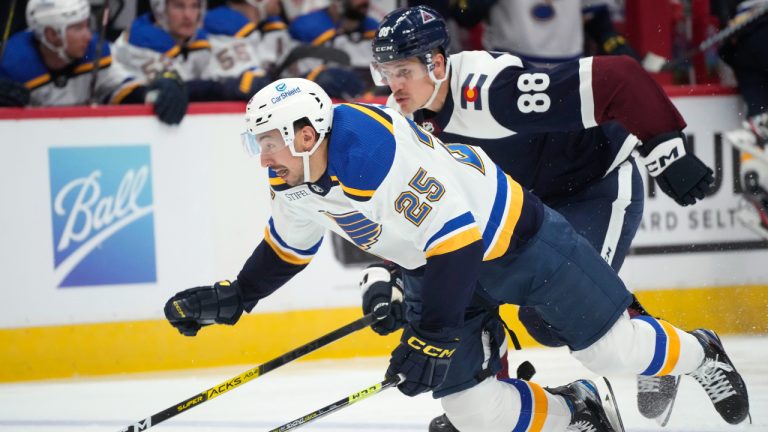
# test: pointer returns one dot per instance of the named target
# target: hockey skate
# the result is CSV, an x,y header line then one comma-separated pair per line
x,y
656,396
719,378
588,412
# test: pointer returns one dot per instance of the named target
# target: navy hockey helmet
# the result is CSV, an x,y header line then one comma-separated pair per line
x,y
411,32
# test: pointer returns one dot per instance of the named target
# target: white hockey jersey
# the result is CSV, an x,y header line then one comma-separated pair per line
x,y
239,45
397,192
539,31
146,50
22,63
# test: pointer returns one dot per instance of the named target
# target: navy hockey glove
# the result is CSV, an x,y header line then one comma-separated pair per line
x,y
339,83
13,94
678,172
169,95
382,289
423,357
194,308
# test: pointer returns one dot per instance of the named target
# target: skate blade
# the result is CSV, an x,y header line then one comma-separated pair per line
x,y
612,409
663,419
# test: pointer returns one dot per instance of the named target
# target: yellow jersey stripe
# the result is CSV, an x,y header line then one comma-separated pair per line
x,y
87,67
455,242
200,44
276,181
673,348
123,92
510,222
245,31
173,52
356,192
312,75
279,25
324,37
285,256
246,81
37,82
540,408
373,114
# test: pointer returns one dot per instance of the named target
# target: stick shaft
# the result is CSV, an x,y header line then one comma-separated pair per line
x,y
250,374
339,404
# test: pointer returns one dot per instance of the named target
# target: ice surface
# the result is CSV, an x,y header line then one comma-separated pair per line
x,y
109,404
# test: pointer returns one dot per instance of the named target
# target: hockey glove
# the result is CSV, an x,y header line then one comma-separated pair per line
x,y
679,173
13,94
382,289
423,357
169,95
339,83
194,308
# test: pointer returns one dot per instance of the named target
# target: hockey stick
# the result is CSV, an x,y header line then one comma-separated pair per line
x,y
327,54
341,403
97,55
253,373
656,63
7,30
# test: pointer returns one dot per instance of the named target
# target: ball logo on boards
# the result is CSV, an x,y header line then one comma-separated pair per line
x,y
103,216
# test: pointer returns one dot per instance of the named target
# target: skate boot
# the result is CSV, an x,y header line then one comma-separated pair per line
x,y
441,424
719,378
584,400
655,395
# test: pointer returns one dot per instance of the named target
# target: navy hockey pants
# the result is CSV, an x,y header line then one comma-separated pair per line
x,y
558,274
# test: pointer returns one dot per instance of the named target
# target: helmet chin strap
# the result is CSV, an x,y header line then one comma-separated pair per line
x,y
62,50
305,155
438,82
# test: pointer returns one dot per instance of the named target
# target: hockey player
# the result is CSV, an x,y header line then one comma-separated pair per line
x,y
495,101
465,231
747,54
51,64
345,25
246,35
170,40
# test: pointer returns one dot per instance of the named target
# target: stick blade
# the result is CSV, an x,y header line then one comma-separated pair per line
x,y
653,62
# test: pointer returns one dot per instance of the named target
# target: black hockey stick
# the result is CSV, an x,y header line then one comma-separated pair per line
x,y
251,374
97,55
341,403
7,30
656,63
327,54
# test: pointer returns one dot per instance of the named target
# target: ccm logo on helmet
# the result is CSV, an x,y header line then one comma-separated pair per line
x,y
432,351
284,93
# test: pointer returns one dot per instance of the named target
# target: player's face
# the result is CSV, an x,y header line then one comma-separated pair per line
x,y
78,37
276,155
409,81
183,17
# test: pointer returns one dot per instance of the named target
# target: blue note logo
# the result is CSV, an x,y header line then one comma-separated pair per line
x,y
103,216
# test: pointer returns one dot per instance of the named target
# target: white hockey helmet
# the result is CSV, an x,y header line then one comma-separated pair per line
x,y
58,15
279,105
161,17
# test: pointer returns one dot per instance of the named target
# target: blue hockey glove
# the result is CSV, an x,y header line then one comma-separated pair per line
x,y
677,171
382,289
170,98
13,94
423,357
339,83
197,307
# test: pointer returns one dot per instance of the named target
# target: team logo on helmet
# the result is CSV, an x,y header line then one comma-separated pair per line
x,y
426,16
281,87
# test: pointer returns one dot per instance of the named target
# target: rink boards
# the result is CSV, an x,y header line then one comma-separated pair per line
x,y
107,213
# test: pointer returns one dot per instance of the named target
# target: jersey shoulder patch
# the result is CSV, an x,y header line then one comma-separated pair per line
x,y
227,22
361,149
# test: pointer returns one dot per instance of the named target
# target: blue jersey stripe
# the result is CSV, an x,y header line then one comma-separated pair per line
x,y
497,211
526,404
311,251
450,226
660,349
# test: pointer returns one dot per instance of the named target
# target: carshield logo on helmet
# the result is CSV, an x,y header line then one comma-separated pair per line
x,y
103,215
281,87
284,93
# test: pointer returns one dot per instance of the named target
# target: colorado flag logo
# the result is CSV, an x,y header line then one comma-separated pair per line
x,y
102,215
470,91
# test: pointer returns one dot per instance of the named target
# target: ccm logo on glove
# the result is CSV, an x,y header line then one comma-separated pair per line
x,y
663,155
430,350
